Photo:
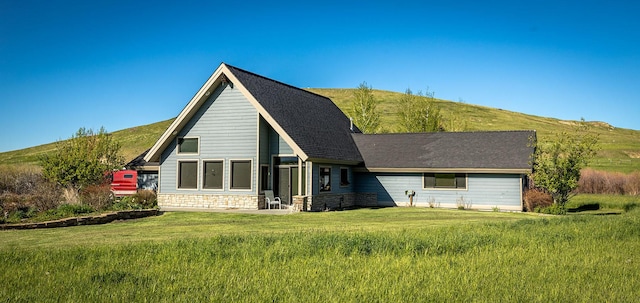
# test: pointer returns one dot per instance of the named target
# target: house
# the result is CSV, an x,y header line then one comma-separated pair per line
x,y
147,171
243,133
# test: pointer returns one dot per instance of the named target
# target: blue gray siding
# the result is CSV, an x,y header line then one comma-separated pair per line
x,y
484,191
335,179
227,126
277,144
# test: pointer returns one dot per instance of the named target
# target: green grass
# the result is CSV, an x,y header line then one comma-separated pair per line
x,y
605,203
620,148
377,255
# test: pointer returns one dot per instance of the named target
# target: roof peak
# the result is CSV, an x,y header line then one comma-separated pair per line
x,y
232,67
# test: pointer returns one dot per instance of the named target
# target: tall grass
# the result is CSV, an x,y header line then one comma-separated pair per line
x,y
575,258
615,183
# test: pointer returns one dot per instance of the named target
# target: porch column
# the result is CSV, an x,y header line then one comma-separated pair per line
x,y
300,177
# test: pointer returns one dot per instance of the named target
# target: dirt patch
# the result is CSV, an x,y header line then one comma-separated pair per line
x,y
633,154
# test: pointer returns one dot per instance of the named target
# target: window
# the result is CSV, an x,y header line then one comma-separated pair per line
x,y
325,178
128,176
241,174
264,177
344,176
187,145
188,174
213,173
456,181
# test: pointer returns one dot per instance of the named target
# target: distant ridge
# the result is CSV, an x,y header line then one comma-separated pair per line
x,y
620,148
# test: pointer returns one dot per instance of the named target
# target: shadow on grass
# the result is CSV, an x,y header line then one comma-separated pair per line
x,y
584,207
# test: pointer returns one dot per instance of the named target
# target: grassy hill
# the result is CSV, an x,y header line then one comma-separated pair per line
x,y
620,148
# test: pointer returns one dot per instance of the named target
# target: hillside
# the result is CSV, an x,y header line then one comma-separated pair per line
x,y
620,148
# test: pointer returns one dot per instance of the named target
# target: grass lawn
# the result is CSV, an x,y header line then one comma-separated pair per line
x,y
377,255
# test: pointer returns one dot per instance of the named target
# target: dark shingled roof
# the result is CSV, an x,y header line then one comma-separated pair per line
x,y
314,122
447,150
139,162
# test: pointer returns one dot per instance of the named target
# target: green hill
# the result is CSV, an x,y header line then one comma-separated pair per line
x,y
620,148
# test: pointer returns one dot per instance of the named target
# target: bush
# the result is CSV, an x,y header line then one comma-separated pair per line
x,y
65,211
23,187
554,209
536,199
70,210
146,198
632,186
602,182
143,199
99,197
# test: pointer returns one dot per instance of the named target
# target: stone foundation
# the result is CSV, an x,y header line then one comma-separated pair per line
x,y
367,199
210,201
331,201
300,203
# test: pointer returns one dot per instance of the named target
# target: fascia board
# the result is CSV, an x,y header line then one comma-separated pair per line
x,y
183,118
444,170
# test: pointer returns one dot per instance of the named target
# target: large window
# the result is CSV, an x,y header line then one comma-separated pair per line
x,y
188,174
325,178
213,173
241,174
188,145
445,181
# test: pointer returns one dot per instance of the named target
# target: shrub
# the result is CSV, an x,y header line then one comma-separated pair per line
x,y
74,209
141,200
553,209
97,196
146,198
23,187
19,179
602,182
632,186
536,198
47,196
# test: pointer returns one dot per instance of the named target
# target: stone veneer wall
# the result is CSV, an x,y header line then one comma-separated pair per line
x,y
210,201
334,201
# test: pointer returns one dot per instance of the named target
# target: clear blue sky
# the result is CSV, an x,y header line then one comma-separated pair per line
x,y
118,64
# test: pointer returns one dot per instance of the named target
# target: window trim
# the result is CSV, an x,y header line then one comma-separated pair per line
x,y
320,186
348,182
178,174
178,152
456,176
231,174
204,174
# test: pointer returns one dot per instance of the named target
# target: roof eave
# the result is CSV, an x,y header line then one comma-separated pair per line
x,y
444,170
333,161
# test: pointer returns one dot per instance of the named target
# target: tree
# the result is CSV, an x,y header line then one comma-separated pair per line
x,y
419,113
83,159
364,110
557,164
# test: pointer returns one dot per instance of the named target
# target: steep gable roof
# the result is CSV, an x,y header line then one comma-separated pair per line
x,y
497,151
311,124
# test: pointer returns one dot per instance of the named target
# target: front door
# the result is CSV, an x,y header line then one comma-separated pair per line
x,y
287,183
284,185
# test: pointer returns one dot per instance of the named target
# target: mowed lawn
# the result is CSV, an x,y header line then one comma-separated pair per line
x,y
367,255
